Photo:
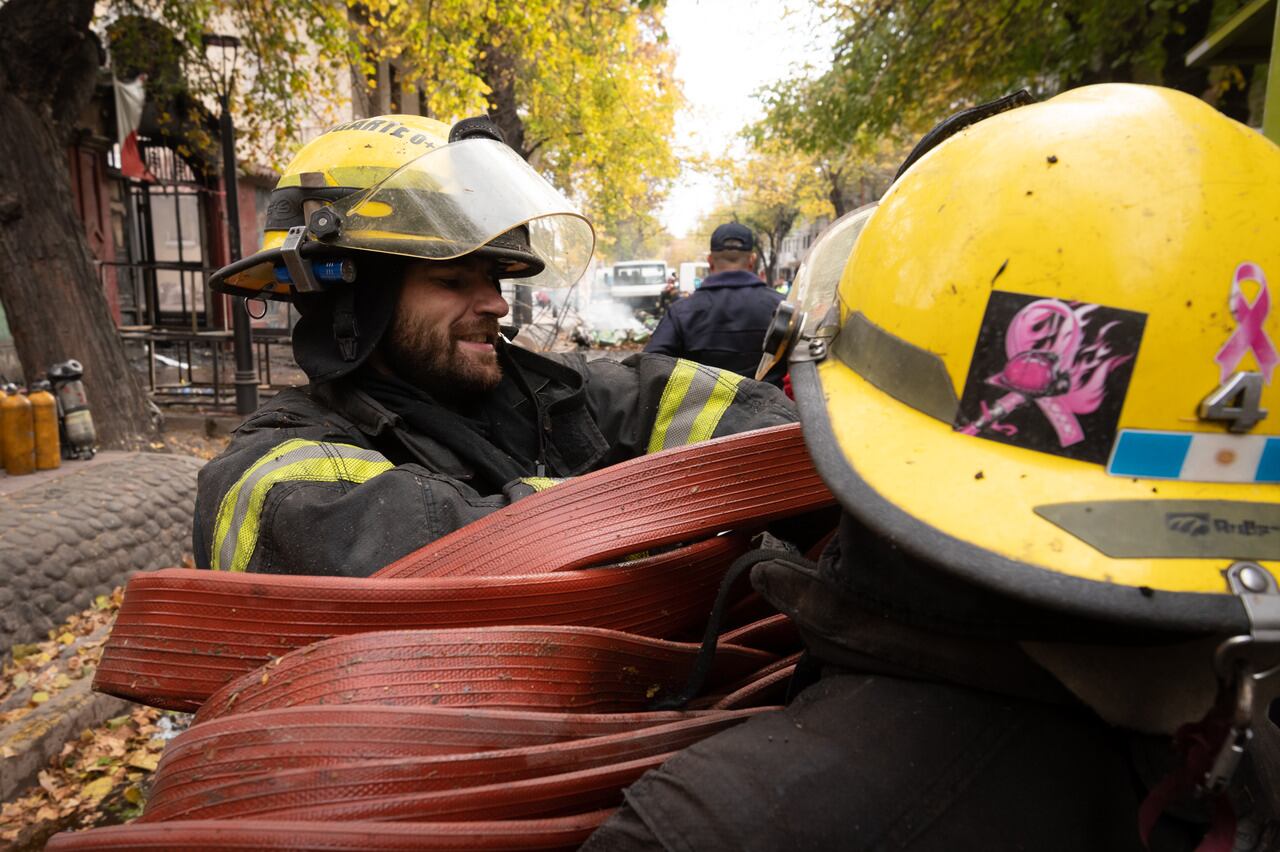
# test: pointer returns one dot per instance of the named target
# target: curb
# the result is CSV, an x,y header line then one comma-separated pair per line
x,y
39,736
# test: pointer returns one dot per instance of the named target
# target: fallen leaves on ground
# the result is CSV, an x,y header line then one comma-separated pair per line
x,y
191,443
39,670
97,779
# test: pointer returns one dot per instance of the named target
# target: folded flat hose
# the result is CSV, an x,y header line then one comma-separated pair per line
x,y
480,745
246,744
677,495
533,668
503,712
514,835
365,783
182,634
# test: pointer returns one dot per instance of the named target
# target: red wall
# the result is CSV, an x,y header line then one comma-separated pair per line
x,y
88,168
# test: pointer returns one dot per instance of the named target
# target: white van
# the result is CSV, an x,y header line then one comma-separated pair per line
x,y
639,283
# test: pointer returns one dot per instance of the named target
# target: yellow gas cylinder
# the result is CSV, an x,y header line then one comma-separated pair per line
x,y
19,433
44,416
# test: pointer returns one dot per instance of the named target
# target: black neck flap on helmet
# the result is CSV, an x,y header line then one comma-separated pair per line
x,y
339,328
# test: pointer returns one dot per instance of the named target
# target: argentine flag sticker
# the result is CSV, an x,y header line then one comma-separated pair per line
x,y
1195,456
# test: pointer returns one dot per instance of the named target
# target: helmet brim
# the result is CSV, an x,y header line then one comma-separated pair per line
x,y
253,277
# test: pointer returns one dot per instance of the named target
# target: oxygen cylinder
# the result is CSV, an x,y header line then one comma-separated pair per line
x,y
19,433
78,433
44,415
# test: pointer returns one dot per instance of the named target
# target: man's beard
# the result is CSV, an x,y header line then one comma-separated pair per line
x,y
429,358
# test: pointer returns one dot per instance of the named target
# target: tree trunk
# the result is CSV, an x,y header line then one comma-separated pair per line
x,y
771,268
522,309
782,226
771,259
48,284
836,191
836,196
498,70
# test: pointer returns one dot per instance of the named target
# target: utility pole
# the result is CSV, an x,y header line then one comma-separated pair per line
x,y
246,377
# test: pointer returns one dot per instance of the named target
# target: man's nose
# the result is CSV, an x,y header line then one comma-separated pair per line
x,y
488,300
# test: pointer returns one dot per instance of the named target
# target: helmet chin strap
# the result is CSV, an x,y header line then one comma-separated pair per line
x,y
345,329
1212,720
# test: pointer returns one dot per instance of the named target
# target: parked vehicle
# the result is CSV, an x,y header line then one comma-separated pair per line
x,y
639,283
691,275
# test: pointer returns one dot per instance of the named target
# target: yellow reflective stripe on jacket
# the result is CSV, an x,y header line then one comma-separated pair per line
x,y
235,532
540,483
692,403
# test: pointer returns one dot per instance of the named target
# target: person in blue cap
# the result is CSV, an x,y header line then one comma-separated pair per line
x,y
724,322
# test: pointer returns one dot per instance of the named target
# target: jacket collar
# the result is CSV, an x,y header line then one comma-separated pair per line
x,y
554,384
550,380
732,278
576,443
382,424
839,630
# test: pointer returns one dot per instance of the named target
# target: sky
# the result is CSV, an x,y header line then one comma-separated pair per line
x,y
727,50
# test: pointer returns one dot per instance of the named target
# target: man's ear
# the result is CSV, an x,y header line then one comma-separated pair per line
x,y
711,264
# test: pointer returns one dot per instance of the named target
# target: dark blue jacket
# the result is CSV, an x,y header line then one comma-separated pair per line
x,y
722,324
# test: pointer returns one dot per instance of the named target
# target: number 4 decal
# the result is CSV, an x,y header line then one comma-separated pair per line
x,y
1237,402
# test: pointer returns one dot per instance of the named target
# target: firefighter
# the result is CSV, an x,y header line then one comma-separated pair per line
x,y
1043,389
394,237
723,322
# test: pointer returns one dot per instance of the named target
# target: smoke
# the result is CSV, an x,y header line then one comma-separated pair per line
x,y
609,316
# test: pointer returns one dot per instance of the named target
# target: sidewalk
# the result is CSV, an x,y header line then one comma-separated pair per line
x,y
10,484
68,536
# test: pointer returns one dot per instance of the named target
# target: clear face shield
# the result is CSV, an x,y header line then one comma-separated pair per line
x,y
816,288
474,196
818,280
465,197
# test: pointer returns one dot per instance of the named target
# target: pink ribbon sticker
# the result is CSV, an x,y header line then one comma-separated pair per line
x,y
1250,333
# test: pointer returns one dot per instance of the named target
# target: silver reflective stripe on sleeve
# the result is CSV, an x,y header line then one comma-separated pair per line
x,y
693,401
235,532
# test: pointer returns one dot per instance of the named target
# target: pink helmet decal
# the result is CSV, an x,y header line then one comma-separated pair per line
x,y
1071,360
1251,333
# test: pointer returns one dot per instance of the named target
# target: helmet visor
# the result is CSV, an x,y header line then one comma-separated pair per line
x,y
457,199
818,279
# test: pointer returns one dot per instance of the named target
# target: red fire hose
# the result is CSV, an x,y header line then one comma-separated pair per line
x,y
254,835
245,745
582,669
679,495
365,786
182,634
506,708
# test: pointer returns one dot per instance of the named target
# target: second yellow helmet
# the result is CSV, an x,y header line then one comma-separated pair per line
x,y
1055,367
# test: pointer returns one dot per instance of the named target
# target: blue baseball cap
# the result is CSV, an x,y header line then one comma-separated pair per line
x,y
733,236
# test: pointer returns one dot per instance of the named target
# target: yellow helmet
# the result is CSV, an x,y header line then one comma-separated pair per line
x,y
411,186
1052,354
